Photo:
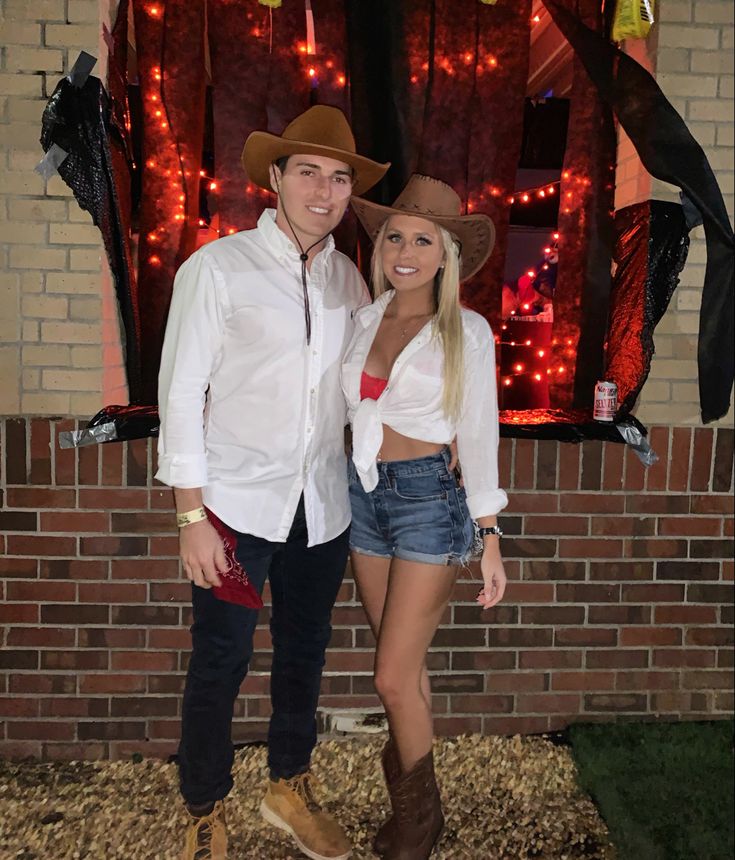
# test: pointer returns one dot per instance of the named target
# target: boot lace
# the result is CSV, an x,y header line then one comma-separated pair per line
x,y
204,833
304,784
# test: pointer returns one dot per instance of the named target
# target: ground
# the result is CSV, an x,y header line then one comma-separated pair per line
x,y
504,798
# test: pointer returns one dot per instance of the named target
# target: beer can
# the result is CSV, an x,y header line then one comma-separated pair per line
x,y
606,401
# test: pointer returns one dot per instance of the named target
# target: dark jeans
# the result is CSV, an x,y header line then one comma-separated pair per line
x,y
304,584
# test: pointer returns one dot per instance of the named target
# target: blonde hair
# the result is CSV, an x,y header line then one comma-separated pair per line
x,y
447,319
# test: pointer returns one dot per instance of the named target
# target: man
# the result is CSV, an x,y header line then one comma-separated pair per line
x,y
252,420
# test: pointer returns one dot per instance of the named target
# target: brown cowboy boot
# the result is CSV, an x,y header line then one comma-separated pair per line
x,y
391,771
418,814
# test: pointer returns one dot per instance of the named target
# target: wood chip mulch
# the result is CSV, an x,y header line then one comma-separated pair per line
x,y
504,799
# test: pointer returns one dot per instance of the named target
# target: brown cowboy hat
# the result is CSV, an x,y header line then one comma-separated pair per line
x,y
438,202
321,130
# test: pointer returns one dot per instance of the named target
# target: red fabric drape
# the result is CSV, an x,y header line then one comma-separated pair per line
x,y
171,72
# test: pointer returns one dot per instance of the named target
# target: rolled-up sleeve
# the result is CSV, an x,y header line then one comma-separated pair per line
x,y
478,429
191,347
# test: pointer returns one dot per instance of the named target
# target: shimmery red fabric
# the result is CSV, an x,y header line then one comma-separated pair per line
x,y
371,386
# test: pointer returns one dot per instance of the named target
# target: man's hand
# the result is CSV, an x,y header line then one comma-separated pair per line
x,y
202,553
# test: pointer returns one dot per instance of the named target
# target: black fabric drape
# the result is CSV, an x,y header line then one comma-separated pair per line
x,y
650,252
80,122
670,153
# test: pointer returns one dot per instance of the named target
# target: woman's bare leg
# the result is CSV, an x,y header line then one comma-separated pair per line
x,y
413,606
371,575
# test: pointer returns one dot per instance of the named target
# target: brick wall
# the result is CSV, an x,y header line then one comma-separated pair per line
x,y
59,338
619,605
690,52
60,348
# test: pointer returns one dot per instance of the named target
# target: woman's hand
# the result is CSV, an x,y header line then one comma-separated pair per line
x,y
493,574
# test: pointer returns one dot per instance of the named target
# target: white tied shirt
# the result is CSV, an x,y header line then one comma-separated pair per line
x,y
411,403
248,412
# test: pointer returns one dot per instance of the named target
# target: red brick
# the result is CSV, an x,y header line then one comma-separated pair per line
x,y
647,681
707,504
346,661
549,615
52,685
546,464
683,658
712,636
619,614
621,571
520,637
591,465
118,730
556,525
554,658
623,702
650,503
136,452
165,546
112,465
18,521
635,472
111,592
79,660
586,637
76,614
144,522
65,466
144,706
41,545
664,548
547,703
18,613
88,465
701,459
112,683
529,592
79,522
581,681
656,474
40,451
630,636
591,503
109,499
41,637
41,590
617,659
15,707
44,730
513,725
150,569
659,592
481,704
111,637
505,461
524,466
73,568
514,682
140,616
166,637
708,680
16,468
587,592
113,546
144,661
680,457
625,526
590,548
687,613
569,460
20,750
39,497
164,499
710,592
612,470
532,503
22,568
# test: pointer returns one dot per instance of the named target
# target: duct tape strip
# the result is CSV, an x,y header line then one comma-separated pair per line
x,y
49,164
89,436
637,442
80,70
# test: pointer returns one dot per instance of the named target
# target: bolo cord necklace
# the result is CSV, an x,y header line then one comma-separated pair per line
x,y
304,257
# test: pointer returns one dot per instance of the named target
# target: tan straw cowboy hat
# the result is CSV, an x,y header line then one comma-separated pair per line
x,y
438,202
321,130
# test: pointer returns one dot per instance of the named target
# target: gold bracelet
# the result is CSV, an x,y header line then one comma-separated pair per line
x,y
195,516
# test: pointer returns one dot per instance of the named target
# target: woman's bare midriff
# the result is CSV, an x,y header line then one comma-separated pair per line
x,y
396,446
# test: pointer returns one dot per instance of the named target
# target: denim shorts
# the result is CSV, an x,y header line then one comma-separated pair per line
x,y
417,512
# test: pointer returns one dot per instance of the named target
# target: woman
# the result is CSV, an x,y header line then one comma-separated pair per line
x,y
418,373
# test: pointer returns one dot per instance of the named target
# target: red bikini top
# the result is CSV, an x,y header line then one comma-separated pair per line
x,y
371,386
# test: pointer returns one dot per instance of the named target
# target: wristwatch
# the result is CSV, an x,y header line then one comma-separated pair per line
x,y
491,530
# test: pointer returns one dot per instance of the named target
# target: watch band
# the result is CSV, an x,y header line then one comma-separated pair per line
x,y
491,530
189,517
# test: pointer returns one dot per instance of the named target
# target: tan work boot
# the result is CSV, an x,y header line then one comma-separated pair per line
x,y
290,805
206,836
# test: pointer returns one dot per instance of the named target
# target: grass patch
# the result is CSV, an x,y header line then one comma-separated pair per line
x,y
665,790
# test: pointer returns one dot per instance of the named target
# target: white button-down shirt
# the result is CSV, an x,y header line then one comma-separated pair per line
x,y
249,412
411,403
